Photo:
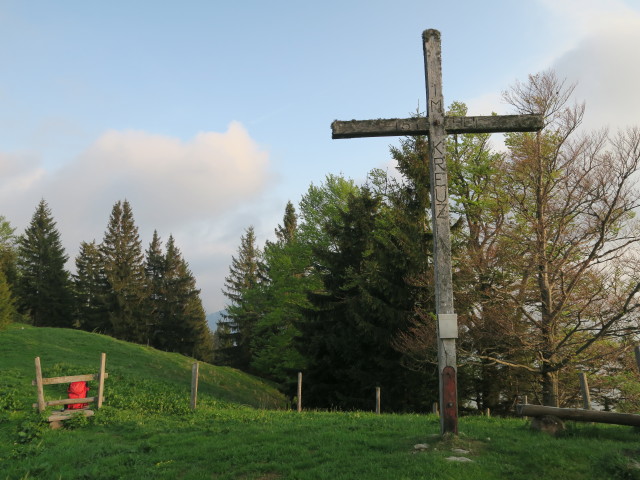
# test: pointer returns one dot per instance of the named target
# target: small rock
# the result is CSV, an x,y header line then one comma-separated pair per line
x,y
460,451
459,459
421,446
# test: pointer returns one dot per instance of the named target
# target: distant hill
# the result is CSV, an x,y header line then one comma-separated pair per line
x,y
214,318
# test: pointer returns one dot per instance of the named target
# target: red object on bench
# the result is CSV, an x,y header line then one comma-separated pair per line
x,y
77,390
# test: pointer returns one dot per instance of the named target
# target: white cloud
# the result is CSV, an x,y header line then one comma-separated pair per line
x,y
605,67
177,187
597,49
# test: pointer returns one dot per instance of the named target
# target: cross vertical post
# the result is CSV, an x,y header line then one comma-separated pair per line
x,y
446,319
437,126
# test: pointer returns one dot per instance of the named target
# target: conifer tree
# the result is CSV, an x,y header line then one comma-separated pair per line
x,y
43,286
347,334
124,271
176,317
91,290
287,263
155,270
242,313
286,232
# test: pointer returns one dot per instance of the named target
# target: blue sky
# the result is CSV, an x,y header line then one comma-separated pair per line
x,y
208,115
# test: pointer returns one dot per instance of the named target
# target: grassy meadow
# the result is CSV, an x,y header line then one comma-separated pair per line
x,y
243,428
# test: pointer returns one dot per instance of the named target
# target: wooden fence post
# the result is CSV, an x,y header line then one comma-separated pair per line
x,y
299,391
584,387
637,352
194,385
41,403
435,408
103,365
378,400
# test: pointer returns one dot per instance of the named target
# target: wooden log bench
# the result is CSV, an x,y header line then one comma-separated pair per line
x,y
580,415
57,417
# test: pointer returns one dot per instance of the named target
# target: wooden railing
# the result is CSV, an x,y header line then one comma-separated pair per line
x,y
57,417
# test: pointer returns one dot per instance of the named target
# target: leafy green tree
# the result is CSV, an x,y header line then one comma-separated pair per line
x,y
323,204
7,305
8,250
123,259
8,272
287,264
43,287
481,205
91,290
242,313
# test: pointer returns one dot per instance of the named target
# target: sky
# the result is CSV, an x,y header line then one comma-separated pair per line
x,y
208,116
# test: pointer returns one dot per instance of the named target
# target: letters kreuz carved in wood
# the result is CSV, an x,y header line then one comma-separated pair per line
x,y
436,125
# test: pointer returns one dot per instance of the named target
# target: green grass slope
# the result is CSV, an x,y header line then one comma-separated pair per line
x,y
147,431
134,370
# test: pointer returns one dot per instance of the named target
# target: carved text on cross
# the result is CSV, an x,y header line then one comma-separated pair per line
x,y
436,125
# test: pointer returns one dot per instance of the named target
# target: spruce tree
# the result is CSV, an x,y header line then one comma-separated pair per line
x,y
286,264
176,317
91,290
43,287
123,259
286,232
155,270
242,313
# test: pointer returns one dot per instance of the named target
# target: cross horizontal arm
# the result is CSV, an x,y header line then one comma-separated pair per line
x,y
388,127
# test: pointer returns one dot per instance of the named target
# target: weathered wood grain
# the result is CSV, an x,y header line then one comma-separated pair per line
x,y
67,414
67,401
39,383
580,415
389,127
70,378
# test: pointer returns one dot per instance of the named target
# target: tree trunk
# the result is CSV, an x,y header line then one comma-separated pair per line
x,y
550,389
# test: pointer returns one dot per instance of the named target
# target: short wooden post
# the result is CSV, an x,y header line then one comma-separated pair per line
x,y
584,387
378,400
526,400
41,403
487,412
299,391
194,385
637,352
435,408
103,365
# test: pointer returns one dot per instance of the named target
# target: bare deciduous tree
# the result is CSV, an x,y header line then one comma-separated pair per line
x,y
571,232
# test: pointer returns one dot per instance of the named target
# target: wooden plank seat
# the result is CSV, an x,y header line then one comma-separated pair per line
x,y
57,417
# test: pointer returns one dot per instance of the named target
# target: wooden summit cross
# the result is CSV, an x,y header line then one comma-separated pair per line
x,y
436,125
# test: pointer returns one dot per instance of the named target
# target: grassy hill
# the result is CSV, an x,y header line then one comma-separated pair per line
x,y
240,431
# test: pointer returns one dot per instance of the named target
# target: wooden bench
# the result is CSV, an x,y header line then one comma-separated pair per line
x,y
57,417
